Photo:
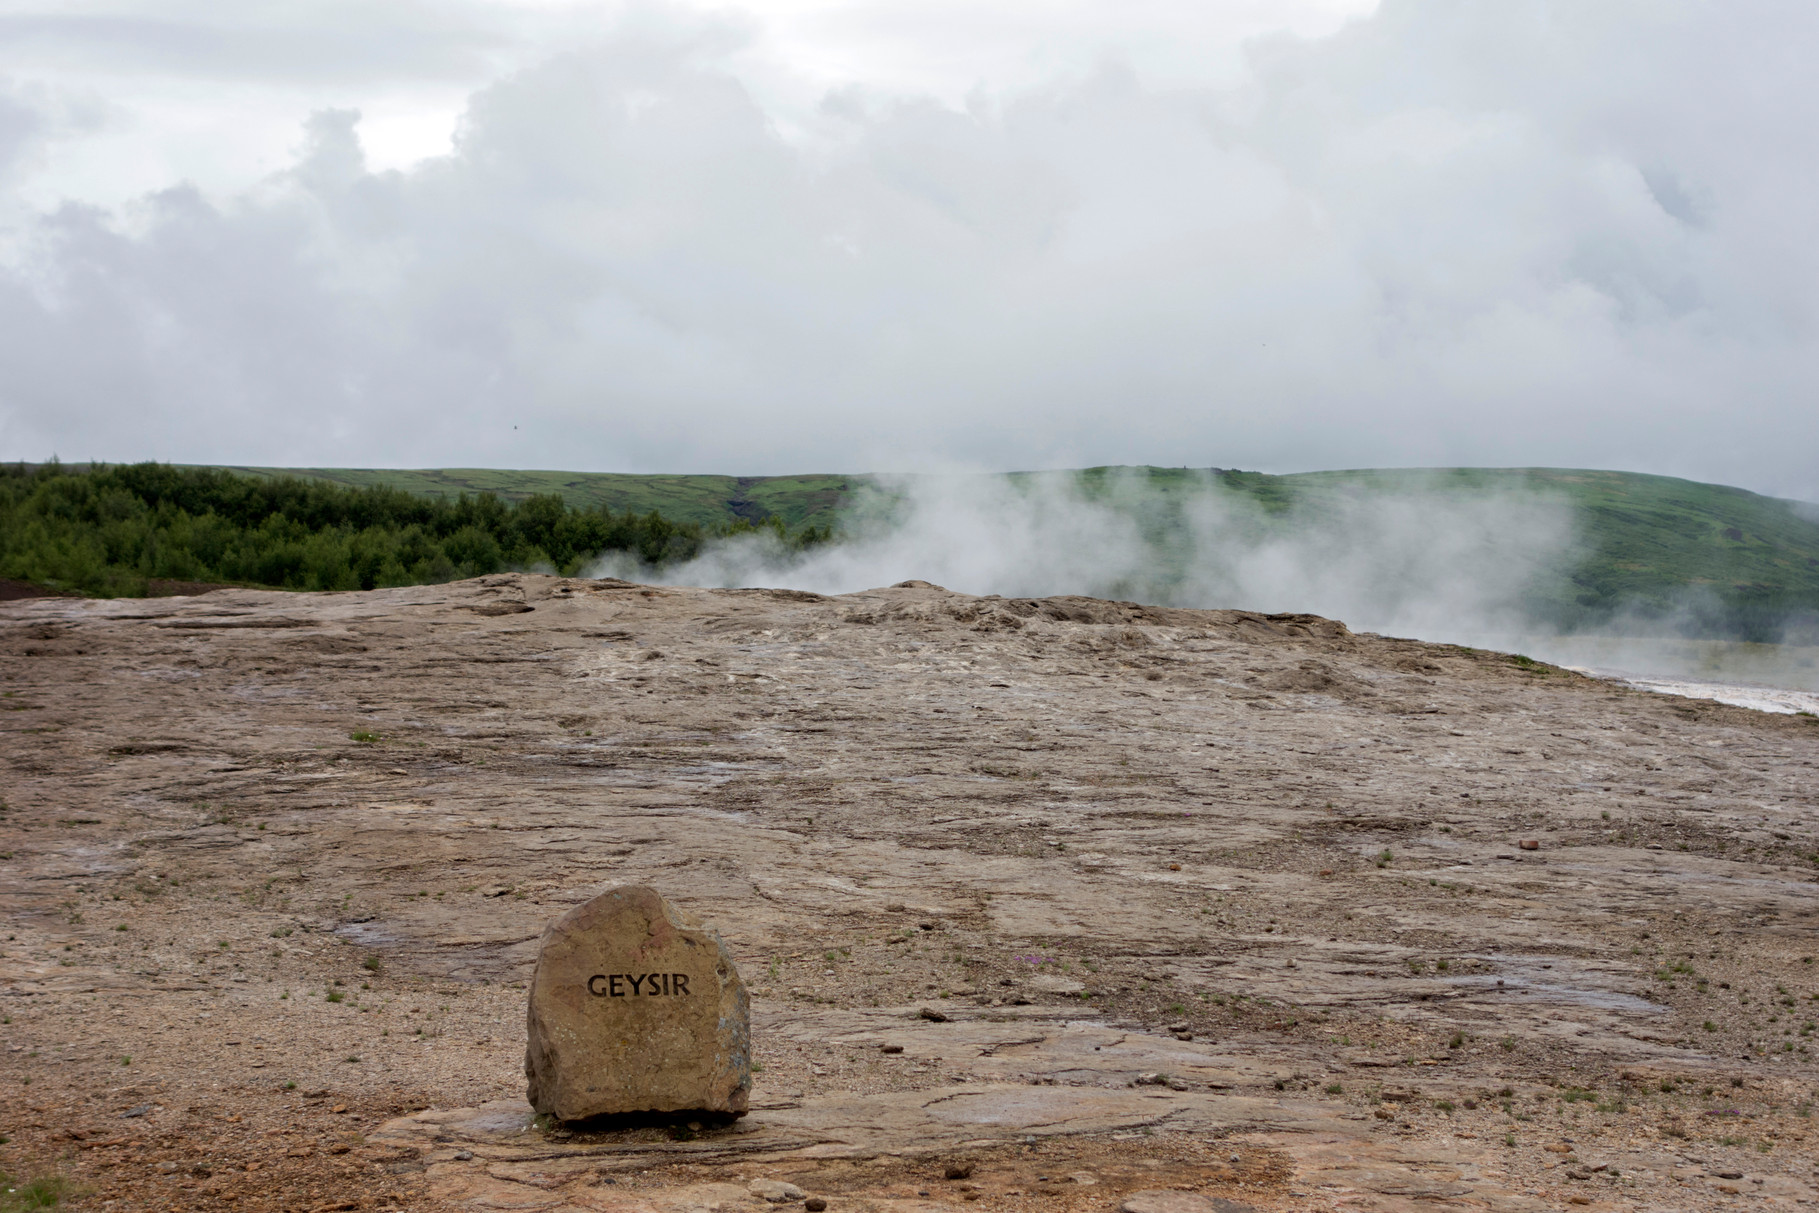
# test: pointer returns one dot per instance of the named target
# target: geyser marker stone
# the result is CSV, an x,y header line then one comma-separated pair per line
x,y
635,1008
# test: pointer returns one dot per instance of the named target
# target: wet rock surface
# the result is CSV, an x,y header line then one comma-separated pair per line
x,y
634,1009
1213,903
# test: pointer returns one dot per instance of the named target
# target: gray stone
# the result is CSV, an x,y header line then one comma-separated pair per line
x,y
774,1190
1164,1201
635,1008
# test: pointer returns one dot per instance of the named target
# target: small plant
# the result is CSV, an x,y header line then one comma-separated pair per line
x,y
336,996
1445,1105
1457,1040
290,1086
1333,1088
44,1192
371,964
363,736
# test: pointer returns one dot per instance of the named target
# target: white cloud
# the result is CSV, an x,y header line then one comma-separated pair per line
x,y
1531,233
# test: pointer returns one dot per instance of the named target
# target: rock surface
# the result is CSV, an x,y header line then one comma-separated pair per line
x,y
635,1009
335,826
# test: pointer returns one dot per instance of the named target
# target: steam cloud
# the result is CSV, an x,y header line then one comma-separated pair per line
x,y
1440,565
1436,564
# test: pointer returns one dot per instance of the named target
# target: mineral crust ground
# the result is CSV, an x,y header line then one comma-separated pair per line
x,y
1051,904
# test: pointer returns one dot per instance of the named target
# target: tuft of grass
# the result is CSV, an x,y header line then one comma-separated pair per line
x,y
41,1192
363,736
371,964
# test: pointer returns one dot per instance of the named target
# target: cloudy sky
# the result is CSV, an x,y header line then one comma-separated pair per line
x,y
805,235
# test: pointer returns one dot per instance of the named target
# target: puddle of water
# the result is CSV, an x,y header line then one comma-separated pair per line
x,y
1741,695
1793,667
1527,981
373,934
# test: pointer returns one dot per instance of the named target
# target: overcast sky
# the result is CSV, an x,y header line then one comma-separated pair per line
x,y
810,235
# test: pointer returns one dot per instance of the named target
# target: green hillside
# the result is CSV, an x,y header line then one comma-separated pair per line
x,y
1645,540
800,501
150,528
1727,561
1721,559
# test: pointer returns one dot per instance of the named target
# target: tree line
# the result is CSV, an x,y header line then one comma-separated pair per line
x,y
110,531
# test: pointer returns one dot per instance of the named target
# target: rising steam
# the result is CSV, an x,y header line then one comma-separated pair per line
x,y
1438,563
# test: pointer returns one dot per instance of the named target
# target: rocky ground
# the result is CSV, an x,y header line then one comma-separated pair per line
x,y
1055,904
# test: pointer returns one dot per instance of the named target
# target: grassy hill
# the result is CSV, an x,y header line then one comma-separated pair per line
x,y
800,501
1744,562
1722,559
1645,540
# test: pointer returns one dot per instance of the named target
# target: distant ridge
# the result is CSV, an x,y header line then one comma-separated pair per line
x,y
1700,559
812,500
1645,539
